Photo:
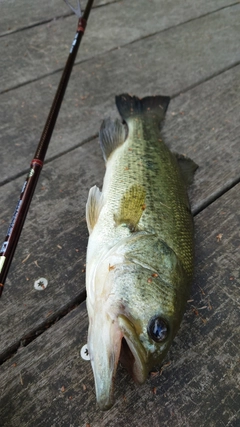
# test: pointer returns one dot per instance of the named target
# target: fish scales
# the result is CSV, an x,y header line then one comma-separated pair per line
x,y
140,249
145,159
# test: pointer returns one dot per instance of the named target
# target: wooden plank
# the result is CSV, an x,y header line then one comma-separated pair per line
x,y
205,122
16,16
57,215
47,383
43,49
177,62
55,239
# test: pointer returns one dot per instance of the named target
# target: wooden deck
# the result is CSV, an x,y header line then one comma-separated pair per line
x,y
190,51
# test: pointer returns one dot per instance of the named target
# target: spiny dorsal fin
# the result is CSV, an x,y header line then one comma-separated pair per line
x,y
111,135
131,207
132,106
188,168
93,207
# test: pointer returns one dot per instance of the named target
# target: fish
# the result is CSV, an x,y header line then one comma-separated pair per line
x,y
140,252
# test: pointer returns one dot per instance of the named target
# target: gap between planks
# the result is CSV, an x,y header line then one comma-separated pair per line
x,y
55,18
51,159
36,24
95,135
125,45
205,203
25,340
215,195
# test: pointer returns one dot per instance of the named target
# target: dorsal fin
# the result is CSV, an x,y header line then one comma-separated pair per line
x,y
111,135
93,207
150,106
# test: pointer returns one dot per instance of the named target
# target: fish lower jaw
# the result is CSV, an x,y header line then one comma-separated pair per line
x,y
104,400
115,342
105,388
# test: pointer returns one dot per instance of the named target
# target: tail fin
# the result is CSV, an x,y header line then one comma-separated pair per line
x,y
152,106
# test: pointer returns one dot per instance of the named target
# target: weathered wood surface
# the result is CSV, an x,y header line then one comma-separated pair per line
x,y
169,62
57,216
196,61
42,49
55,229
47,383
17,16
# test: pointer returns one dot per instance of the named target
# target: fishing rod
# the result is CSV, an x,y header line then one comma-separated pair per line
x,y
14,230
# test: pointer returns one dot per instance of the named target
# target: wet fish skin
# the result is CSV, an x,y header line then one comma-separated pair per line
x,y
140,249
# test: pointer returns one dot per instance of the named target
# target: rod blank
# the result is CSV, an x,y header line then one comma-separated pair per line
x,y
15,228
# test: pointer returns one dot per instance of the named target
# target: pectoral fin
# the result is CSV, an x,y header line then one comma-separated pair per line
x,y
93,207
112,134
131,207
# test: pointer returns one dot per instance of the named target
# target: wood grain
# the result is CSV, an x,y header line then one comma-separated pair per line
x,y
57,215
43,49
175,48
55,238
47,383
17,16
204,124
169,62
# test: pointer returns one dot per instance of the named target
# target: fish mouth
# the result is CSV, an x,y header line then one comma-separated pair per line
x,y
132,355
119,343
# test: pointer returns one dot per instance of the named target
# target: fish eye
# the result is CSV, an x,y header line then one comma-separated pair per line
x,y
157,329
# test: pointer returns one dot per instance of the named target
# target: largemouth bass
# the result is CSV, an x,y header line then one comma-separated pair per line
x,y
140,250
